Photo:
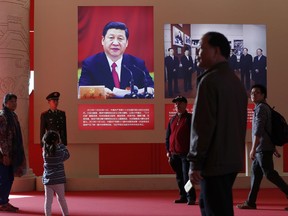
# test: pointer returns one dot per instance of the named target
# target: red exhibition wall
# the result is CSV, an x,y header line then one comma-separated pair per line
x,y
135,158
132,158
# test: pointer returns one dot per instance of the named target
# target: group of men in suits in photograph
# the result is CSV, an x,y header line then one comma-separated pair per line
x,y
250,68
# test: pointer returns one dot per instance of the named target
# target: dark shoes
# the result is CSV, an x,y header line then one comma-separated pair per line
x,y
191,202
8,208
17,209
245,205
181,200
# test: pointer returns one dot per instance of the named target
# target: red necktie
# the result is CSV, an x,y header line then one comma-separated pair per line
x,y
115,76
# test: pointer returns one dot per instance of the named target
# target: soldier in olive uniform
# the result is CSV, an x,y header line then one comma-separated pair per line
x,y
53,119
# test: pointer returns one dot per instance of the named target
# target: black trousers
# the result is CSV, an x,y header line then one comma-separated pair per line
x,y
172,78
181,165
263,165
216,198
6,181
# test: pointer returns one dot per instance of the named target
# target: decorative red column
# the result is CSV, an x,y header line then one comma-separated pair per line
x,y
15,71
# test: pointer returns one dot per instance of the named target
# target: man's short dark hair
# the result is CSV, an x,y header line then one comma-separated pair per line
x,y
262,89
115,25
216,39
260,49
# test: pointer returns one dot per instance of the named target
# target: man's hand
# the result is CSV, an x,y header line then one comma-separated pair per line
x,y
168,154
195,177
150,90
252,154
277,154
109,93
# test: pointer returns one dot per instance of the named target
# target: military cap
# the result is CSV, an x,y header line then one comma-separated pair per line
x,y
179,98
53,96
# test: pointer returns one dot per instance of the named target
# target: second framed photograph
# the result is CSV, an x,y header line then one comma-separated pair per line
x,y
178,37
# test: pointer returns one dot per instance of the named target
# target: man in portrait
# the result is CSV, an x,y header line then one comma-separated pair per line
x,y
113,68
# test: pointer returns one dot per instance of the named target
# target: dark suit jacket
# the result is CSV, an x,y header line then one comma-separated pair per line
x,y
171,64
186,64
233,62
96,71
56,121
246,62
260,64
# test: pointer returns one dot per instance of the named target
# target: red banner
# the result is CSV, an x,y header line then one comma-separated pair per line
x,y
170,111
116,116
250,113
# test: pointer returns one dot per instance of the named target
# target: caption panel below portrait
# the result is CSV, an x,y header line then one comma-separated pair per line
x,y
116,116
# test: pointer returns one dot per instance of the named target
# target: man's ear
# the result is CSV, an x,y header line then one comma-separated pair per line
x,y
217,51
102,40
